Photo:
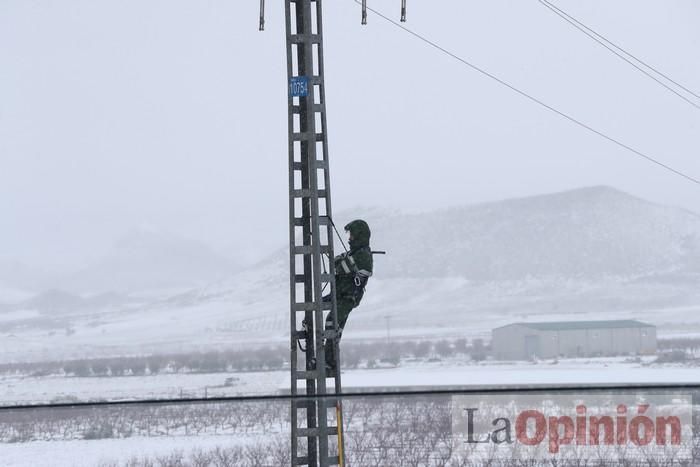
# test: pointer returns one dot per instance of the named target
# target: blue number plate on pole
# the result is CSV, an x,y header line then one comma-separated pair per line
x,y
299,86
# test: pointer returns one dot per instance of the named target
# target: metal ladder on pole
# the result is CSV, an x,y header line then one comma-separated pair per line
x,y
316,421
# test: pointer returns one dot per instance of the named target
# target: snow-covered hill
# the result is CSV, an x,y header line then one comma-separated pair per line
x,y
593,253
17,280
10,294
145,260
584,233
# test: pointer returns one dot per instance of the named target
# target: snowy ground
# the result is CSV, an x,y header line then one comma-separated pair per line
x,y
252,309
92,453
564,372
16,389
118,451
19,389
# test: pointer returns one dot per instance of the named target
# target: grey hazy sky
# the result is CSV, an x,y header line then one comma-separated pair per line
x,y
115,114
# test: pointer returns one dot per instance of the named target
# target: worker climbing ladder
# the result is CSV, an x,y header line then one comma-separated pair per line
x,y
316,420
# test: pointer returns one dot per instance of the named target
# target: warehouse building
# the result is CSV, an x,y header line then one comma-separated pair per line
x,y
523,341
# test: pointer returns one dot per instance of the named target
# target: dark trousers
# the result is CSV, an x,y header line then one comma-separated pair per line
x,y
344,307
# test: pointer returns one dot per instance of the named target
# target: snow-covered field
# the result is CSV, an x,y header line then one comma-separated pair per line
x,y
386,430
93,453
589,254
27,389
592,254
453,373
254,311
564,372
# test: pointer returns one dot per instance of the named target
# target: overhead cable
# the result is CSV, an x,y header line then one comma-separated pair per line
x,y
534,99
619,51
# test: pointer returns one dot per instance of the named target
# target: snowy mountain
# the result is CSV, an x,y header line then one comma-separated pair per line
x,y
58,302
10,294
590,232
145,260
593,253
17,280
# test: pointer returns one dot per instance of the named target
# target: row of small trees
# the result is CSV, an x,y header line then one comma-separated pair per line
x,y
684,344
51,424
265,358
354,354
379,431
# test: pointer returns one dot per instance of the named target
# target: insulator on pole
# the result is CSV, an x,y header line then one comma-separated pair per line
x,y
403,11
364,11
262,15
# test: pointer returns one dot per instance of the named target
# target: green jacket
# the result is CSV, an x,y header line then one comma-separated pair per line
x,y
353,269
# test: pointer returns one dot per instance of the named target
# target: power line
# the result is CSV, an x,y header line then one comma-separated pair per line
x,y
602,41
534,99
500,389
620,48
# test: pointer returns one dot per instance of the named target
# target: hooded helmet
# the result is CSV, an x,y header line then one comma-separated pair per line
x,y
359,233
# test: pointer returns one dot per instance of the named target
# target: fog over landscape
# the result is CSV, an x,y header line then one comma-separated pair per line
x,y
143,188
144,250
590,253
173,120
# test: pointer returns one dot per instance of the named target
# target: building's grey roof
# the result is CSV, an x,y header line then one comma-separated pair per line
x,y
568,325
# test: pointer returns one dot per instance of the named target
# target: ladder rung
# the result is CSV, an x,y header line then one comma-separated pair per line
x,y
309,306
308,250
330,403
301,460
305,306
306,193
299,38
322,220
316,432
308,136
304,404
300,278
320,164
296,109
312,374
307,374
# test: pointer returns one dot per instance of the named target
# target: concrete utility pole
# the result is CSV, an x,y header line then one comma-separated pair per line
x,y
315,442
317,421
